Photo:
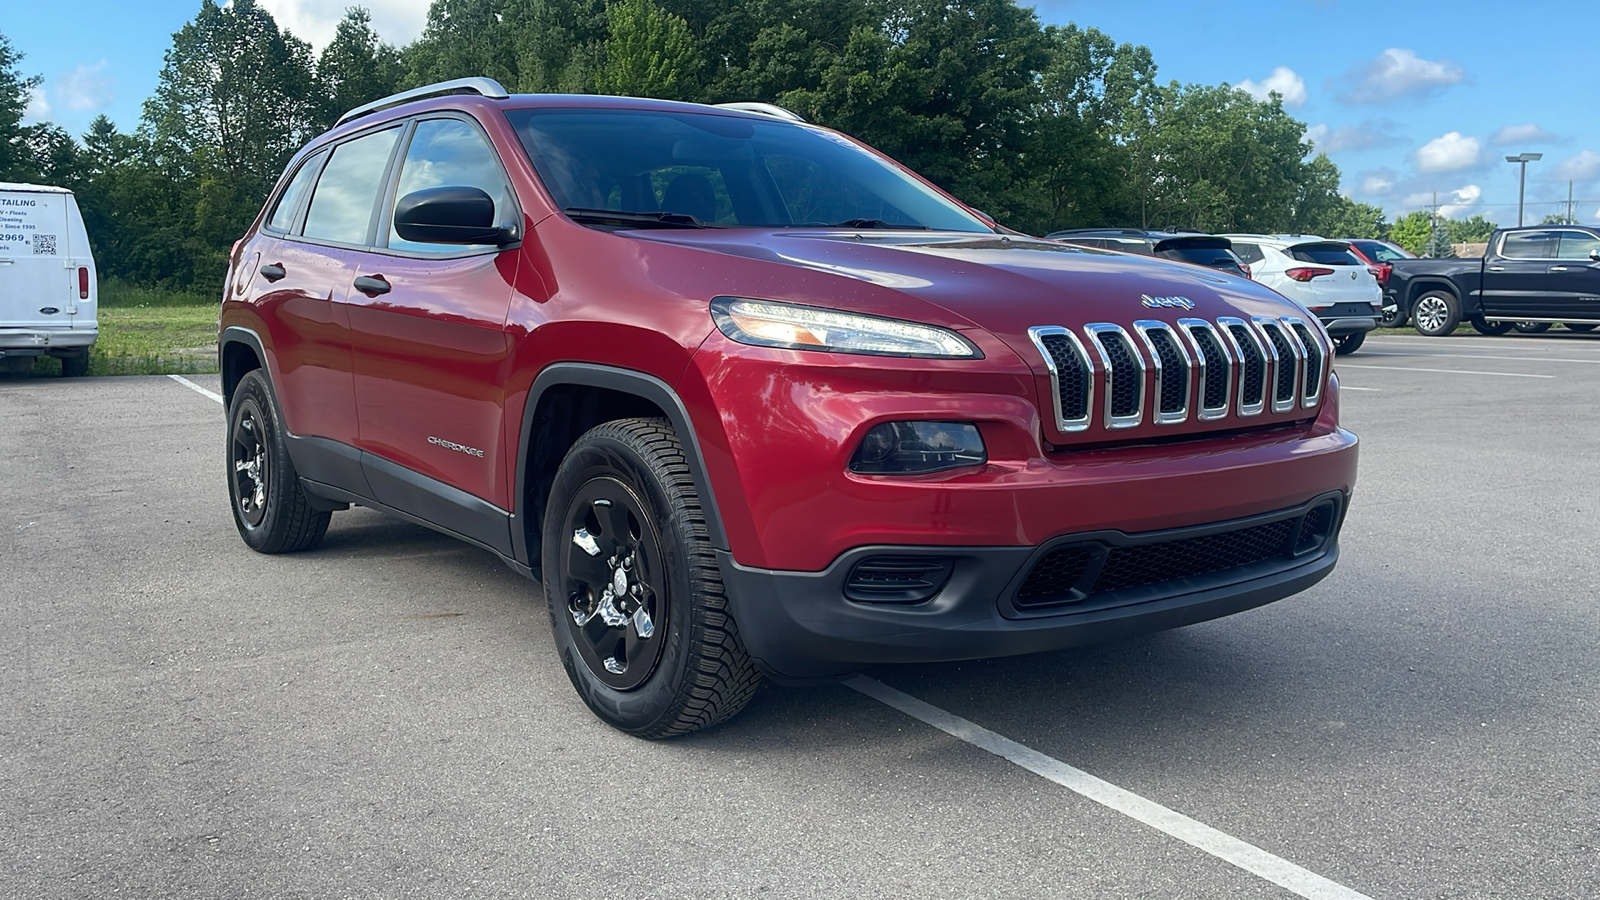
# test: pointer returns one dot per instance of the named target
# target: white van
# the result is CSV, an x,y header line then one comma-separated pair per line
x,y
48,290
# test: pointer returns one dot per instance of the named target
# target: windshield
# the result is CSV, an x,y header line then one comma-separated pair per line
x,y
716,170
1380,252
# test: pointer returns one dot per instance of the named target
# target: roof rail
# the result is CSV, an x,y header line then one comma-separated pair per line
x,y
483,87
765,109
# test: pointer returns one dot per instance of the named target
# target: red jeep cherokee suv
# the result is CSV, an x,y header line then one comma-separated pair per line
x,y
753,400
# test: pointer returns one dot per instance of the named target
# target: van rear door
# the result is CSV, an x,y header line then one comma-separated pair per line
x,y
37,288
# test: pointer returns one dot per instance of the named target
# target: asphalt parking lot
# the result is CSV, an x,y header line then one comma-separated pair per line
x,y
384,717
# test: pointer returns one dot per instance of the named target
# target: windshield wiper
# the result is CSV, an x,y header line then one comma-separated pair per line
x,y
646,219
875,223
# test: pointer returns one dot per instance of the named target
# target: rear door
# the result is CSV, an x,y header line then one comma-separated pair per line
x,y
38,287
1517,280
1575,275
428,327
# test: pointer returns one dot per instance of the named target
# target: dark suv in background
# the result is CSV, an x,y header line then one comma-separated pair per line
x,y
1191,247
751,399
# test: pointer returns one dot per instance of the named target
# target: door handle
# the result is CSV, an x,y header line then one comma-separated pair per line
x,y
273,271
371,285
1558,268
1497,268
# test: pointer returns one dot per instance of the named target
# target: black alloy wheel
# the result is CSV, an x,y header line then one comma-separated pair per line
x,y
1484,326
270,508
1581,328
612,581
640,617
1531,327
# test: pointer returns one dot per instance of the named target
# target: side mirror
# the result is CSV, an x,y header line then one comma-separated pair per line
x,y
1595,254
449,215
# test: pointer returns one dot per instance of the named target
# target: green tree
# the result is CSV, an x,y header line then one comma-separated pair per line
x,y
1438,246
1471,231
1412,231
649,53
356,67
1557,218
16,156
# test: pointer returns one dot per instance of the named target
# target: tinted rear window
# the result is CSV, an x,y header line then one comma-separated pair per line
x,y
1203,256
1325,255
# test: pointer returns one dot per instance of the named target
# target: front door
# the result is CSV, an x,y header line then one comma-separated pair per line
x,y
428,324
1575,275
1516,274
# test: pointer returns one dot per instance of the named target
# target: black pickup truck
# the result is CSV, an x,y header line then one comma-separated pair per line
x,y
1540,275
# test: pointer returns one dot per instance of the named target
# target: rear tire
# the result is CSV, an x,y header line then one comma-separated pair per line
x,y
1581,328
637,606
1346,344
1393,315
1484,326
1436,314
270,508
1531,327
75,365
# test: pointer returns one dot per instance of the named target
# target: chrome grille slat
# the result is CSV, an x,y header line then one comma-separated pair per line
x,y
1172,367
1105,377
1216,368
1124,370
1286,363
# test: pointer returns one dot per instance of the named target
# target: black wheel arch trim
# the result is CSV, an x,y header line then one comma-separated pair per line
x,y
626,381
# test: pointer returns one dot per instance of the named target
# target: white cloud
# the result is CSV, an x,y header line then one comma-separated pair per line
x,y
86,88
1455,203
1284,81
1350,137
1583,167
1521,134
1397,72
1376,185
1448,153
38,108
397,22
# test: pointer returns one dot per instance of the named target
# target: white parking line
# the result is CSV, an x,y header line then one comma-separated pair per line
x,y
1225,847
1342,365
196,388
1590,362
1567,345
1351,387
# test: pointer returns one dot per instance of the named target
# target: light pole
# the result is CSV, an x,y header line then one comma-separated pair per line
x,y
1522,180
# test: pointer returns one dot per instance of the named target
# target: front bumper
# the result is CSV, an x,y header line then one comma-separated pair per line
x,y
801,625
40,341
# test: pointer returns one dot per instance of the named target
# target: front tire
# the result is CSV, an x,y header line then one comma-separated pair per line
x,y
270,508
1436,313
1346,344
637,605
1493,329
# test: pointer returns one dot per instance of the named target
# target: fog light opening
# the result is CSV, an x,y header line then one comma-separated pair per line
x,y
916,448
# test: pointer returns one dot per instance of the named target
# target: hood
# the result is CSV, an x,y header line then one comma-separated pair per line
x,y
1004,284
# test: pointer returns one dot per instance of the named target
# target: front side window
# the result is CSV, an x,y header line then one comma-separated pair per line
x,y
282,218
1529,245
449,153
1577,245
728,171
347,193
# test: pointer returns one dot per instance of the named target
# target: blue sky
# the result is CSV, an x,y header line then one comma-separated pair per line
x,y
1407,97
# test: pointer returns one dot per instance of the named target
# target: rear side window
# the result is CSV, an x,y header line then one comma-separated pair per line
x,y
1577,245
449,153
347,193
1250,253
1324,255
1529,245
282,218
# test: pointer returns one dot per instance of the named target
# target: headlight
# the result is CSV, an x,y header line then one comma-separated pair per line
x,y
767,324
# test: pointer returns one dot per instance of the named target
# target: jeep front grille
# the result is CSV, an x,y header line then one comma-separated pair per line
x,y
1199,368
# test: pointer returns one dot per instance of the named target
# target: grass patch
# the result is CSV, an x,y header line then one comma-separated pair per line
x,y
179,339
115,293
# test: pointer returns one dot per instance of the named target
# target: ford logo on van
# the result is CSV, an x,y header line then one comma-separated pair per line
x,y
1170,302
49,310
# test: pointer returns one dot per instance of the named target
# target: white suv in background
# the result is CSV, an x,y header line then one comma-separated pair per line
x,y
1324,276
